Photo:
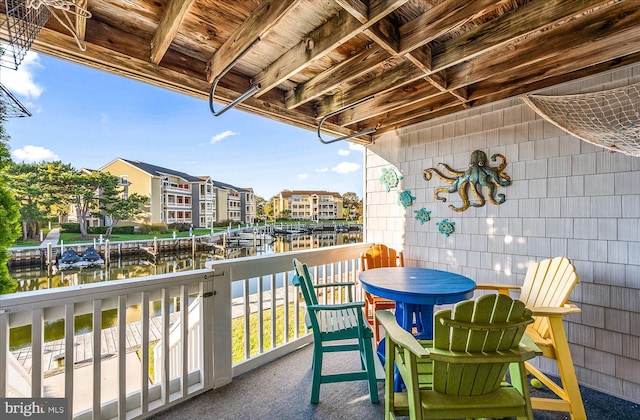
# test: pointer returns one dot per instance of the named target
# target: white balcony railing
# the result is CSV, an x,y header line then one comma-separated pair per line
x,y
145,329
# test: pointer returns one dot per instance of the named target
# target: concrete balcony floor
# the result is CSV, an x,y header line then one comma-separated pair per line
x,y
281,390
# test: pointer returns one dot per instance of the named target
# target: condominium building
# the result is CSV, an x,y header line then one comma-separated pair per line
x,y
207,202
177,197
239,203
309,205
174,197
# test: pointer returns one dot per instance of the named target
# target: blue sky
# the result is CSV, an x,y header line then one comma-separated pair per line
x,y
88,117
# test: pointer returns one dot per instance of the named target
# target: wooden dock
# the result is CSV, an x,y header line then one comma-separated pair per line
x,y
83,348
53,351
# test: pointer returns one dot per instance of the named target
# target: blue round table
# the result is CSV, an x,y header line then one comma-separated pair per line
x,y
416,291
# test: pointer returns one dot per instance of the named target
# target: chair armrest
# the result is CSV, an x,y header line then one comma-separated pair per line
x,y
399,335
348,284
336,307
527,342
500,288
568,308
337,284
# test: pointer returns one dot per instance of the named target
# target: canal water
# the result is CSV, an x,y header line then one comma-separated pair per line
x,y
37,278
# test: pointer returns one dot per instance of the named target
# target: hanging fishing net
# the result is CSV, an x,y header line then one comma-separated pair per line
x,y
609,119
11,107
23,20
19,28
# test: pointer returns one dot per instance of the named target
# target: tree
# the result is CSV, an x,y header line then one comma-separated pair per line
x,y
84,190
260,205
352,205
268,208
124,209
27,188
9,216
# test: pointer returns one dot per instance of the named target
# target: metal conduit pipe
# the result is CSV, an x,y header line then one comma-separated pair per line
x,y
347,136
251,91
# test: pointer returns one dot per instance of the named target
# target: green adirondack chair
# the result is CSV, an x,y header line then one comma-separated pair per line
x,y
335,323
461,373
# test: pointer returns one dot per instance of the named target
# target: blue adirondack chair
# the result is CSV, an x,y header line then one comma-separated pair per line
x,y
336,323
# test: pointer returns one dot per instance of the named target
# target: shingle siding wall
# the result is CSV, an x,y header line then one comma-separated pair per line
x,y
568,197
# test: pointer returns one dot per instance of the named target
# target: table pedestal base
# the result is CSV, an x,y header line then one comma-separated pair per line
x,y
410,316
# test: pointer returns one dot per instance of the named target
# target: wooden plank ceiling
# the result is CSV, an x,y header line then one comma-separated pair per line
x,y
417,59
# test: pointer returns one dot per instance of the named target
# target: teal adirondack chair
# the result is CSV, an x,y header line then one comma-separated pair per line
x,y
335,323
461,373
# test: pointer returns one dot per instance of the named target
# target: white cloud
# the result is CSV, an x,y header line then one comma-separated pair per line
x,y
344,152
33,154
320,170
345,167
221,136
303,176
20,82
356,147
104,117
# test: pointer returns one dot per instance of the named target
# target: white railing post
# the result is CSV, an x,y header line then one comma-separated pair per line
x,y
37,342
144,350
122,357
4,352
220,332
97,357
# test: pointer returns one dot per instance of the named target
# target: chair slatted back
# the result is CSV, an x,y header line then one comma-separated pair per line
x,y
380,255
302,279
548,284
487,327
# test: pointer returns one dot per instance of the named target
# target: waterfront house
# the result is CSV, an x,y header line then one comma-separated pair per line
x,y
420,84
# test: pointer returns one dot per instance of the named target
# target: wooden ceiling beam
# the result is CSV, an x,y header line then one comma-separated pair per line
x,y
439,20
190,80
596,37
263,18
391,126
488,92
350,69
389,101
526,19
385,34
421,58
356,8
418,109
168,28
411,41
339,29
526,79
400,75
450,15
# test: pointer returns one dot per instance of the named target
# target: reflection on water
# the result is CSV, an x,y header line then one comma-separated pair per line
x,y
35,278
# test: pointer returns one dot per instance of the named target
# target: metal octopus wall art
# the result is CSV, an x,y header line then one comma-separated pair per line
x,y
476,176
